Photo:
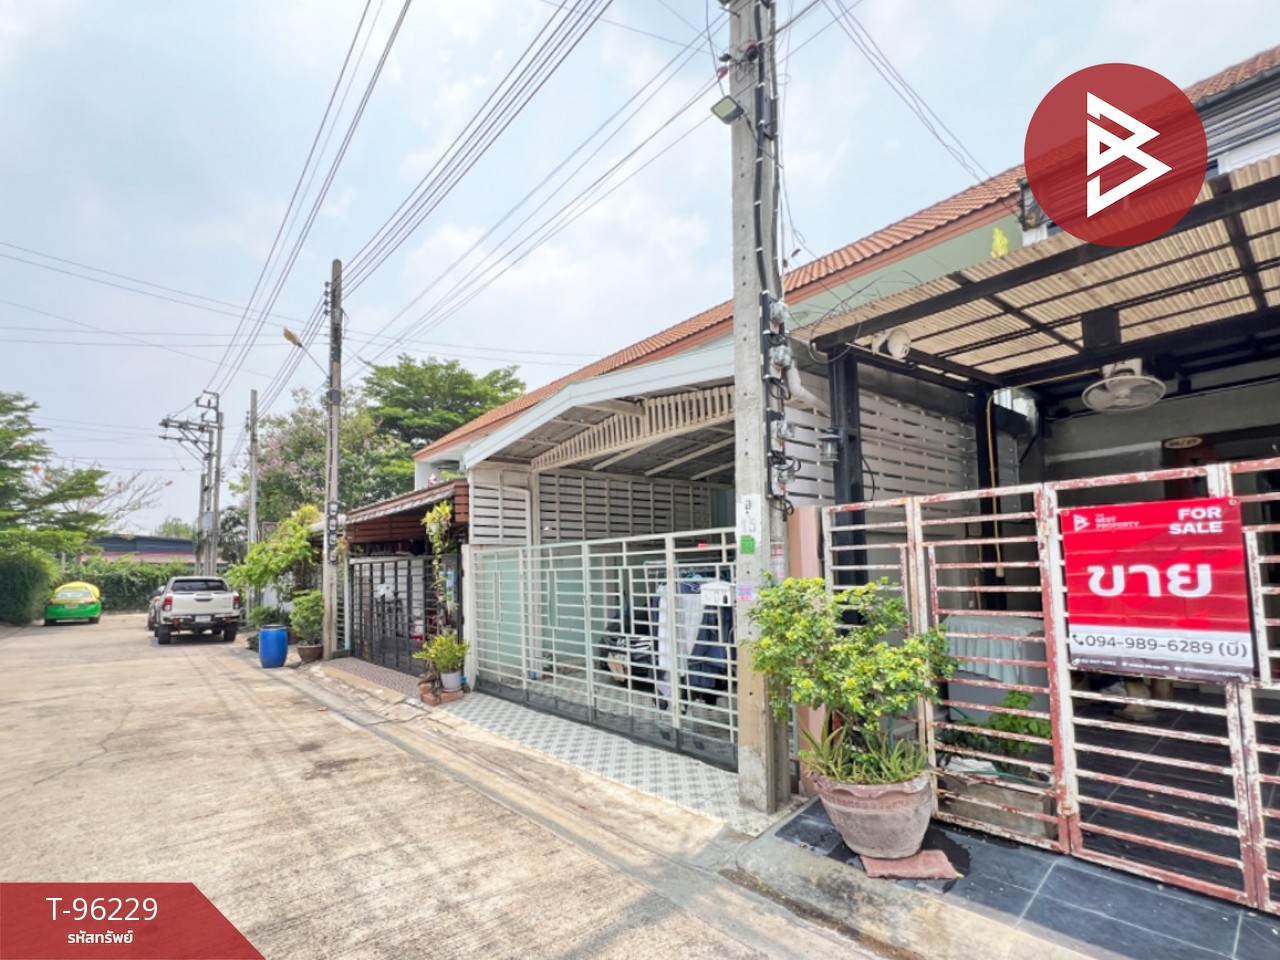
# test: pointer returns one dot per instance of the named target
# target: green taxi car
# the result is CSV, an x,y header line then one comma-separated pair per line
x,y
74,601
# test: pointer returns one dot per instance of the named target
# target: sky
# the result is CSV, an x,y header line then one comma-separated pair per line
x,y
151,149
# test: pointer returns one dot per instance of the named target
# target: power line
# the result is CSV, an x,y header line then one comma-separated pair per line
x,y
297,187
518,88
672,67
530,72
880,62
319,199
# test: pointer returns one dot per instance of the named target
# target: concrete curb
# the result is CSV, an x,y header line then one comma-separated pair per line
x,y
894,920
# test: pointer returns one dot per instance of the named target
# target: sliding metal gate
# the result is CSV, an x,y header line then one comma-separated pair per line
x,y
632,634
1188,794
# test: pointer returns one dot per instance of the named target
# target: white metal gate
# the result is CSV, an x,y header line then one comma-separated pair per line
x,y
633,634
1178,784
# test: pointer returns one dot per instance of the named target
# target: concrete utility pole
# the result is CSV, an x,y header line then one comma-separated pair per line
x,y
763,774
253,481
211,422
329,583
204,438
253,467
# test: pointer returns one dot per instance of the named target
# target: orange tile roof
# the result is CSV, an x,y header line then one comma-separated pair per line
x,y
860,253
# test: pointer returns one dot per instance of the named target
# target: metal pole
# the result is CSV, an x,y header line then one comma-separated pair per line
x,y
763,780
329,581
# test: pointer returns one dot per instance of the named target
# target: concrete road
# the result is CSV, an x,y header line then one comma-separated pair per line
x,y
326,825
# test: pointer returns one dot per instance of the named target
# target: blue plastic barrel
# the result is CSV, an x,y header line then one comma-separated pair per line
x,y
273,645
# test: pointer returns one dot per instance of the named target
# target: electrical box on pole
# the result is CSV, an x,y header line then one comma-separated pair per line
x,y
760,474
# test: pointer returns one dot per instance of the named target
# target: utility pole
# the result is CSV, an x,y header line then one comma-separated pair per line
x,y
760,354
253,479
203,438
329,582
211,421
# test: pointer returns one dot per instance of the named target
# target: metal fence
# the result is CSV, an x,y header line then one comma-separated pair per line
x,y
1172,779
392,599
632,634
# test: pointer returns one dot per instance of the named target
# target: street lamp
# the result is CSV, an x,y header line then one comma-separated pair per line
x,y
297,342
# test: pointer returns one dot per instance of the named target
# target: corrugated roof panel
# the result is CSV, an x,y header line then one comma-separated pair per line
x,y
1017,362
982,355
1256,172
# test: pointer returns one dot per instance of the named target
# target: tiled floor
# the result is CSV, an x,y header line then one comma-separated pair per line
x,y
1098,911
660,773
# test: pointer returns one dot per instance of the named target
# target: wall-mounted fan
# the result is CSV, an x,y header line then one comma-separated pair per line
x,y
1123,387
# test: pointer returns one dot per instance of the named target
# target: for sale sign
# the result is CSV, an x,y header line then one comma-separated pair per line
x,y
1158,588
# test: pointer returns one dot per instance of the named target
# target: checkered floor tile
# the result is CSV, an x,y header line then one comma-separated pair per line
x,y
677,779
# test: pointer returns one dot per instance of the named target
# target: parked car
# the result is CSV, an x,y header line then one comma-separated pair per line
x,y
197,605
153,608
74,601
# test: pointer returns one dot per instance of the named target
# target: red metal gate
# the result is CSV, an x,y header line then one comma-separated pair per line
x,y
1177,781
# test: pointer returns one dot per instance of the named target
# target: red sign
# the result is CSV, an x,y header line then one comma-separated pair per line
x,y
1158,587
1115,154
136,921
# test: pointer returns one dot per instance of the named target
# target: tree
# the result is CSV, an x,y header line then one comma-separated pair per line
x,y
51,508
177,528
284,560
233,534
107,507
421,400
372,464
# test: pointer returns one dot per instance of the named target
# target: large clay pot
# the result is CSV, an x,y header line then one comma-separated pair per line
x,y
884,820
310,652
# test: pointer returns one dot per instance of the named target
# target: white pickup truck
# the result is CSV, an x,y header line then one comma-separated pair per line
x,y
197,605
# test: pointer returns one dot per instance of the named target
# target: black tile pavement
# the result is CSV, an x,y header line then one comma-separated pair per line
x,y
1100,911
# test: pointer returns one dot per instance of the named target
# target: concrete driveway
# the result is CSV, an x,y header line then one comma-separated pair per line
x,y
326,827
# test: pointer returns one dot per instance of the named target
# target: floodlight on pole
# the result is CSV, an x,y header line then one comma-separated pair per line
x,y
727,109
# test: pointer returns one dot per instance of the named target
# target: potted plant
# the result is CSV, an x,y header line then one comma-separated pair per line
x,y
447,652
306,621
847,653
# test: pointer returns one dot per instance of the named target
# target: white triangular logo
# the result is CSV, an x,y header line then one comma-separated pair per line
x,y
1079,522
1104,148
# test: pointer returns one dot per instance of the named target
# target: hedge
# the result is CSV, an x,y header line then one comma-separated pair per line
x,y
27,575
126,584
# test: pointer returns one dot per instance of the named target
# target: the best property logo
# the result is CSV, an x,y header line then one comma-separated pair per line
x,y
1116,154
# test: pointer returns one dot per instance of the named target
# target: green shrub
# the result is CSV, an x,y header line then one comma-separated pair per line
x,y
851,653
27,575
126,584
308,616
268,616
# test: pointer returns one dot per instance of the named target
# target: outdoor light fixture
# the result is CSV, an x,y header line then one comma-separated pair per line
x,y
829,445
895,343
294,339
728,109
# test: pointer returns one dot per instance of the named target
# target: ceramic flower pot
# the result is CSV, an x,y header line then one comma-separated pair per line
x,y
884,820
451,682
309,652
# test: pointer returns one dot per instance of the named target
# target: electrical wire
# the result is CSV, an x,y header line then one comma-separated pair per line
x,y
506,258
880,62
507,101
567,33
335,164
285,221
